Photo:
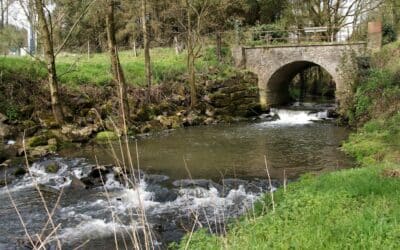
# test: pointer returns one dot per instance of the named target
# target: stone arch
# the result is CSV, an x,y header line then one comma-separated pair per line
x,y
277,80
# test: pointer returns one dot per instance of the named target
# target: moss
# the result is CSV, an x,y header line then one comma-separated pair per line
x,y
105,136
36,141
52,168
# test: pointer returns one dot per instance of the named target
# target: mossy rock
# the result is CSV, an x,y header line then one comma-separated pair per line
x,y
105,136
35,141
52,167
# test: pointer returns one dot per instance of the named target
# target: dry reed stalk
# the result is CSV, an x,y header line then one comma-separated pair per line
x,y
191,233
141,210
270,184
49,215
284,180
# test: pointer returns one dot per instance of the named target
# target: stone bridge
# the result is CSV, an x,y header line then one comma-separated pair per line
x,y
276,66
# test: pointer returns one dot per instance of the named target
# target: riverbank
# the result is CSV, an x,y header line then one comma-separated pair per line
x,y
91,107
357,208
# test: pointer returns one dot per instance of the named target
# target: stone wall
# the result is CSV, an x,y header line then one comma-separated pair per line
x,y
235,96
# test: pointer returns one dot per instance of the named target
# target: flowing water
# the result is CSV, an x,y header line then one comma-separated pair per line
x,y
225,161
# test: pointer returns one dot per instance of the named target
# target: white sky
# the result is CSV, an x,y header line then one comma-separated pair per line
x,y
17,16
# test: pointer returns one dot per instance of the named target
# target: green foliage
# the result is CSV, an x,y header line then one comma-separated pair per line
x,y
270,33
10,110
378,140
389,34
378,92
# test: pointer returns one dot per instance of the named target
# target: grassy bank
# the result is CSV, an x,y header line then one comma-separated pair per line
x,y
77,69
349,209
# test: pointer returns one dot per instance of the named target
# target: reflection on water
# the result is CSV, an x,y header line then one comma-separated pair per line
x,y
294,143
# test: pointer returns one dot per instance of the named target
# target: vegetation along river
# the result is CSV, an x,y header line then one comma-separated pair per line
x,y
224,162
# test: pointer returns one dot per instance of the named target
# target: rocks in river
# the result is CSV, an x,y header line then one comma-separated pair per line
x,y
269,117
6,131
203,183
48,189
155,178
40,151
332,113
162,194
76,183
20,171
51,166
77,134
193,119
3,154
169,121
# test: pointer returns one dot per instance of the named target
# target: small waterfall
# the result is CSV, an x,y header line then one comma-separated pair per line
x,y
297,117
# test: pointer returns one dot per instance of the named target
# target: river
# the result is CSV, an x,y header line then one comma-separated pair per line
x,y
225,162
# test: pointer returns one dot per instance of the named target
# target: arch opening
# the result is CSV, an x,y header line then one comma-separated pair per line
x,y
300,81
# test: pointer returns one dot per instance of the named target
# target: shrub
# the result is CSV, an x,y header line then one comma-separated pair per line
x,y
271,32
389,34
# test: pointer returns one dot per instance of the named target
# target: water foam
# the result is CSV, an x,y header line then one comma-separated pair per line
x,y
94,228
92,218
296,117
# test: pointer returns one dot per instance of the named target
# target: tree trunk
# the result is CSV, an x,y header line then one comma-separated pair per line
x,y
396,15
191,57
303,86
2,13
48,47
219,46
192,82
117,71
134,49
146,45
177,46
7,9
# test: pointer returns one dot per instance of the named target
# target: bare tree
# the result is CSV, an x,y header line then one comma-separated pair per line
x,y
45,27
334,14
196,14
4,10
117,71
50,59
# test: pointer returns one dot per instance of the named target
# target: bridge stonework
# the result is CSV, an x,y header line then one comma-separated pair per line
x,y
276,66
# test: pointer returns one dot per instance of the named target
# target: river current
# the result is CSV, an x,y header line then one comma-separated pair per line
x,y
190,178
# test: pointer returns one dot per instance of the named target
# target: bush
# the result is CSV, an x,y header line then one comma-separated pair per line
x,y
270,33
389,34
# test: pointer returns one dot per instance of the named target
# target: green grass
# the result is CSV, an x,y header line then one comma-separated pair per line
x,y
21,67
350,209
378,140
166,66
78,69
